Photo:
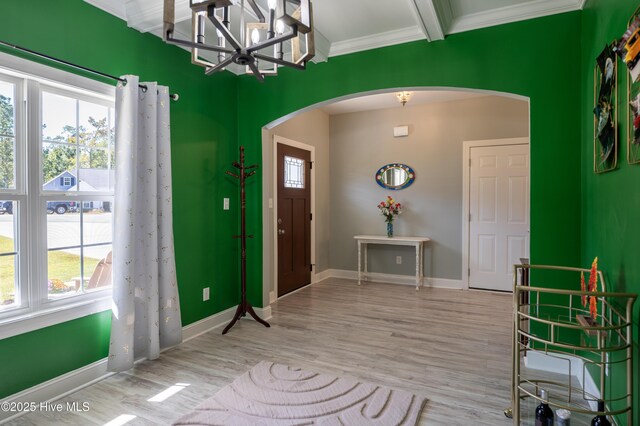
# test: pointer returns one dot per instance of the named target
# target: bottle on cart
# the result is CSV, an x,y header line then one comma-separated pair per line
x,y
600,419
563,417
544,414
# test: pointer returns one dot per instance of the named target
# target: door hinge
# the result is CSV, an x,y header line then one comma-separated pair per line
x,y
311,267
310,216
310,164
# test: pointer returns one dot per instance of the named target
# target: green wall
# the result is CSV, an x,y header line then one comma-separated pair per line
x,y
610,201
529,58
539,59
204,135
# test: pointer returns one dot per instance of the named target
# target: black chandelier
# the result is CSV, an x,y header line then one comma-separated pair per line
x,y
283,38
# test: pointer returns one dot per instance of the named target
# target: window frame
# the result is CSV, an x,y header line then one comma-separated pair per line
x,y
37,310
18,194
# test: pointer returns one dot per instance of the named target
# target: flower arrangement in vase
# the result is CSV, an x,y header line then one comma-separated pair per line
x,y
389,209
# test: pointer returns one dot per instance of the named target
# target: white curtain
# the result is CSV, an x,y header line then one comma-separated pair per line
x,y
146,308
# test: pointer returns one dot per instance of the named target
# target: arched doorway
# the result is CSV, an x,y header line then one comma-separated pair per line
x,y
449,248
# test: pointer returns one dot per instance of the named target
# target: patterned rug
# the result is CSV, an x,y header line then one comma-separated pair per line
x,y
275,394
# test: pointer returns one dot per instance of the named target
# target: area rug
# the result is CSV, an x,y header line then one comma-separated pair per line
x,y
275,394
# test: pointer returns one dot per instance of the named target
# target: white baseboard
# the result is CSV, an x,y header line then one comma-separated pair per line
x,y
57,388
207,324
264,313
322,275
444,283
218,320
73,381
563,363
395,279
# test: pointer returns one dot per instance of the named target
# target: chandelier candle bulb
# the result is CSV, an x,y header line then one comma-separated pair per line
x,y
255,36
243,35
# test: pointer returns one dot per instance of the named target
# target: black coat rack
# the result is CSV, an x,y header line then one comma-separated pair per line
x,y
244,307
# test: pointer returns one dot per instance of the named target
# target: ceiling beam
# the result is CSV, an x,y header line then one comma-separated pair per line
x,y
323,47
430,18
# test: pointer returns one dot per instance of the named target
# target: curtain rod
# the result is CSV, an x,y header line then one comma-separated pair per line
x,y
173,96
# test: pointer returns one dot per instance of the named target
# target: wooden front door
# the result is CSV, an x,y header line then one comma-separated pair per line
x,y
294,218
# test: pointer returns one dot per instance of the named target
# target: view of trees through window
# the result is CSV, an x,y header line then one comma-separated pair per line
x,y
76,135
7,137
77,156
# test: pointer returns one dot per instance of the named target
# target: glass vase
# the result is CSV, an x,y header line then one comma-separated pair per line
x,y
389,229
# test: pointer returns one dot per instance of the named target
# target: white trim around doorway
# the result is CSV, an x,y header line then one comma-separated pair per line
x,y
274,190
466,156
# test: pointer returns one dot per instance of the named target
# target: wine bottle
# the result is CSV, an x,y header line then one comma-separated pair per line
x,y
600,419
544,414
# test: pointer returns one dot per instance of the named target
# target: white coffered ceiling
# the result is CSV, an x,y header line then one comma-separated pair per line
x,y
346,26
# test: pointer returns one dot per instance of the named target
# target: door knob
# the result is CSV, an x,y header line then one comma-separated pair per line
x,y
280,231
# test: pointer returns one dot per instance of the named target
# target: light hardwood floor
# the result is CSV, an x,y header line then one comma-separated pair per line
x,y
451,346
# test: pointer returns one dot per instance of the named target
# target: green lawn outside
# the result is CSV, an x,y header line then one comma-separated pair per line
x,y
62,266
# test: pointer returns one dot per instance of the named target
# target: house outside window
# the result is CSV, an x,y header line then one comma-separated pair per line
x,y
57,181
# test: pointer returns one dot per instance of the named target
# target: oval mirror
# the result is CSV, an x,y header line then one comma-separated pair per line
x,y
395,176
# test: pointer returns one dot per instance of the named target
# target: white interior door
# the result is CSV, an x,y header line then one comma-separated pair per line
x,y
499,214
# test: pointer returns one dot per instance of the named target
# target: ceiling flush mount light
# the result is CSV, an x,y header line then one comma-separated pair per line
x,y
279,32
403,97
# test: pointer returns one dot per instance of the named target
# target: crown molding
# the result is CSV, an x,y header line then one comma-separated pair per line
x,y
146,16
515,13
434,19
114,7
388,38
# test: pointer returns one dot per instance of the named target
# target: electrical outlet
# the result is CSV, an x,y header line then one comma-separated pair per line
x,y
225,204
398,260
205,294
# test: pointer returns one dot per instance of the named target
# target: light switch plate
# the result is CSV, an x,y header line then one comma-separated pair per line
x,y
225,204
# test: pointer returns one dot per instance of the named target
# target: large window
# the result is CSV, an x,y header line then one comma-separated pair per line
x,y
56,195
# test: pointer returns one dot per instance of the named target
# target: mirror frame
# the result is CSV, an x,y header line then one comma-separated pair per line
x,y
408,182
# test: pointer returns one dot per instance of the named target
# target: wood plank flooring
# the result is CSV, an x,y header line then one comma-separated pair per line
x,y
452,346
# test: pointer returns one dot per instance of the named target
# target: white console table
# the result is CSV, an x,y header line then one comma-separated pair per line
x,y
417,242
